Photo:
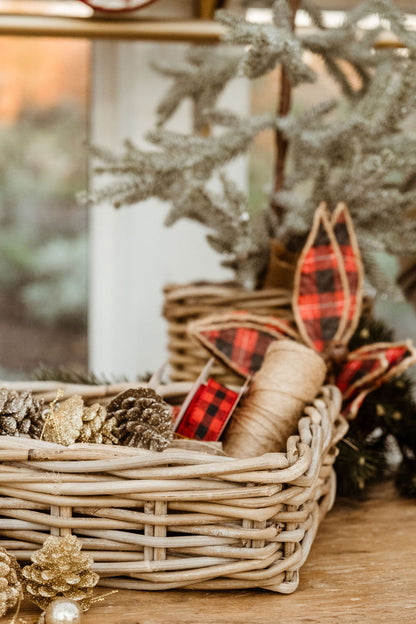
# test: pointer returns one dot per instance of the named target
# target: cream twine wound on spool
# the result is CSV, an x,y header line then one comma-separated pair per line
x,y
289,378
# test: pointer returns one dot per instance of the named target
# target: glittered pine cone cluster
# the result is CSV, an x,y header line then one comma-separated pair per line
x,y
72,421
136,417
141,418
20,414
10,584
60,570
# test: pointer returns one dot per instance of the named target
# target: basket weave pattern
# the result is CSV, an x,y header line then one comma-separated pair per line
x,y
191,302
181,518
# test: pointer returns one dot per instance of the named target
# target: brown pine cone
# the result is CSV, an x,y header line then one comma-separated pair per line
x,y
142,418
10,586
60,570
20,413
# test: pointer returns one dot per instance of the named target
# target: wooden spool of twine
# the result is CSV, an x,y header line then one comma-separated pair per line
x,y
289,379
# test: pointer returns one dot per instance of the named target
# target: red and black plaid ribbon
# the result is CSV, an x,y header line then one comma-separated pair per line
x,y
208,412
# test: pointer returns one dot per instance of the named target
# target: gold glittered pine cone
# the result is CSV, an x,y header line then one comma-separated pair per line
x,y
143,419
96,427
71,421
60,570
10,581
63,421
20,413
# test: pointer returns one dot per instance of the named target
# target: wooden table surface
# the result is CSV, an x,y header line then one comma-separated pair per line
x,y
361,569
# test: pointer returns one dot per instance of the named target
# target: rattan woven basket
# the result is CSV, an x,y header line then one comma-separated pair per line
x,y
185,303
188,517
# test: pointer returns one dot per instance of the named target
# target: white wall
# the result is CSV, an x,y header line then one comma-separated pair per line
x,y
132,254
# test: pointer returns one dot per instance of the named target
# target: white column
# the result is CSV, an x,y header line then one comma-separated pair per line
x,y
132,254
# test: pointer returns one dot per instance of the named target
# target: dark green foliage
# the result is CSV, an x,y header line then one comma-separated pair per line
x,y
358,467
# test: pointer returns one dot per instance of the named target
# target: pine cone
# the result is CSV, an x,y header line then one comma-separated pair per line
x,y
20,413
142,419
60,570
63,421
96,427
10,586
71,421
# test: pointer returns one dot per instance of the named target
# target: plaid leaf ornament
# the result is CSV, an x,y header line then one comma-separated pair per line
x,y
239,339
327,303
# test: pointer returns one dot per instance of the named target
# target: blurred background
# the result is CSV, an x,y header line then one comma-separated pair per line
x,y
43,234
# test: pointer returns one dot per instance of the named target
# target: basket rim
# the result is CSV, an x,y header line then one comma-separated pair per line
x,y
319,429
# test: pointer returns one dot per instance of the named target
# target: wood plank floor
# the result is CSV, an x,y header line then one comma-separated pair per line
x,y
362,569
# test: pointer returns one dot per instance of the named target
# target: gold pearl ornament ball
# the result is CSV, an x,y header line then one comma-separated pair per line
x,y
63,611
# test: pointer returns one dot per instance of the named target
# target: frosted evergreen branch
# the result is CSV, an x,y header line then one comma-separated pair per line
x,y
376,280
202,79
231,230
339,76
282,14
386,11
223,118
295,125
268,45
314,13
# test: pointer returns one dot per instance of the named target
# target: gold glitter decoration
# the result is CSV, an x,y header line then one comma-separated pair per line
x,y
63,422
20,413
11,589
71,421
60,570
95,426
142,419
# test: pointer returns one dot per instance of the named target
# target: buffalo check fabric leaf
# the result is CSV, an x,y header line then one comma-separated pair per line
x,y
347,241
244,348
208,412
321,293
368,368
239,339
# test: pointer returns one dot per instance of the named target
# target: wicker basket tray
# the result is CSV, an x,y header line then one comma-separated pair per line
x,y
185,303
188,517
